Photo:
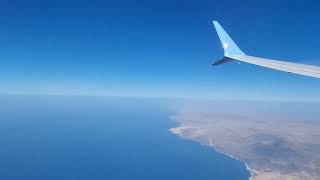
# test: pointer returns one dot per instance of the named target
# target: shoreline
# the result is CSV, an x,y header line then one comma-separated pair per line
x,y
177,131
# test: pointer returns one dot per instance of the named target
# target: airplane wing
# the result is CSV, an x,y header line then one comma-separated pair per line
x,y
233,52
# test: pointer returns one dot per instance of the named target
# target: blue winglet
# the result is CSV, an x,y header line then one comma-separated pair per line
x,y
230,48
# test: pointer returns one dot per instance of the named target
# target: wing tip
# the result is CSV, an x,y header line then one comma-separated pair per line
x,y
229,46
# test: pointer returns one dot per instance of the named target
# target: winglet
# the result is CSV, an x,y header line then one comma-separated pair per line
x,y
229,47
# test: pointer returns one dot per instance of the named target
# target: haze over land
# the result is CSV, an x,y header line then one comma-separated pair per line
x,y
276,140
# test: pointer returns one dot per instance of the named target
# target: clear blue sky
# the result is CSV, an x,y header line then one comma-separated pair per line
x,y
156,48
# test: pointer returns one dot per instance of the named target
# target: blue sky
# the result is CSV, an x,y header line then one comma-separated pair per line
x,y
156,48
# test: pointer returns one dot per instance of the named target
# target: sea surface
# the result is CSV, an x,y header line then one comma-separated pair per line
x,y
75,138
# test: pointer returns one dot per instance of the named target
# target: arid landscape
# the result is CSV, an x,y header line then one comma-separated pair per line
x,y
274,149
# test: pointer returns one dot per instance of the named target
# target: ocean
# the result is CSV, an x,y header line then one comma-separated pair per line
x,y
66,138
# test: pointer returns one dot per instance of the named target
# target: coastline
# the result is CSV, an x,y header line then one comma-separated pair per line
x,y
250,171
177,131
276,147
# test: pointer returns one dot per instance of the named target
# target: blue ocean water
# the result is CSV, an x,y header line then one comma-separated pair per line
x,y
66,138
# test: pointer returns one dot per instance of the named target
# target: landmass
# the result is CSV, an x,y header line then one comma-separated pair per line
x,y
272,150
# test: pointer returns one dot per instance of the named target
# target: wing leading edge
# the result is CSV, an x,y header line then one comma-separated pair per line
x,y
233,52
